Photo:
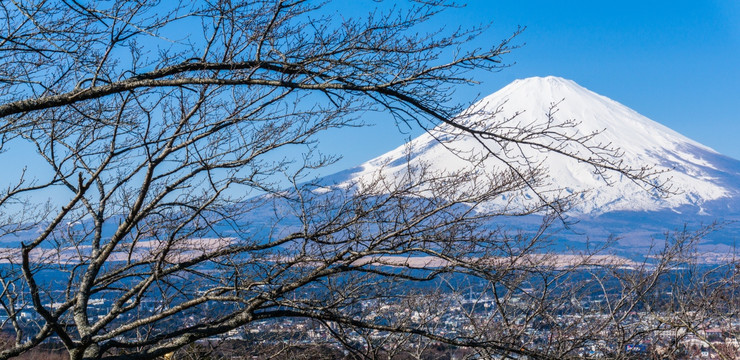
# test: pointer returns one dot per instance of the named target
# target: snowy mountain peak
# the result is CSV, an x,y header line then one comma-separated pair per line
x,y
700,174
542,81
594,112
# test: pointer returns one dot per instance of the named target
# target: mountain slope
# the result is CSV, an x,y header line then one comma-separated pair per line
x,y
703,180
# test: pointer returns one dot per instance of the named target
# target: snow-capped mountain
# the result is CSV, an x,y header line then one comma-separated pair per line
x,y
703,180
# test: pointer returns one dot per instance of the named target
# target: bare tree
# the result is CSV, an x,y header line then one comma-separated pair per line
x,y
178,139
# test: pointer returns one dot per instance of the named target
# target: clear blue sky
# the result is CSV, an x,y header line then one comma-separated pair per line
x,y
676,62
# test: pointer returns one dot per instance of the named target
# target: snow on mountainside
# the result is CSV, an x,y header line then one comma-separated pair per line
x,y
699,174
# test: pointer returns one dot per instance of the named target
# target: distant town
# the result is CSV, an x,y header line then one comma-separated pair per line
x,y
293,336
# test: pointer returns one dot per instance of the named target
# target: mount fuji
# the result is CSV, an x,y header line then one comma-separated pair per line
x,y
705,184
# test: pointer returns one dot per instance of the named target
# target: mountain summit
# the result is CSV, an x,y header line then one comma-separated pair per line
x,y
702,179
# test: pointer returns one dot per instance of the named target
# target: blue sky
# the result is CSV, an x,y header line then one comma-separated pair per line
x,y
676,62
